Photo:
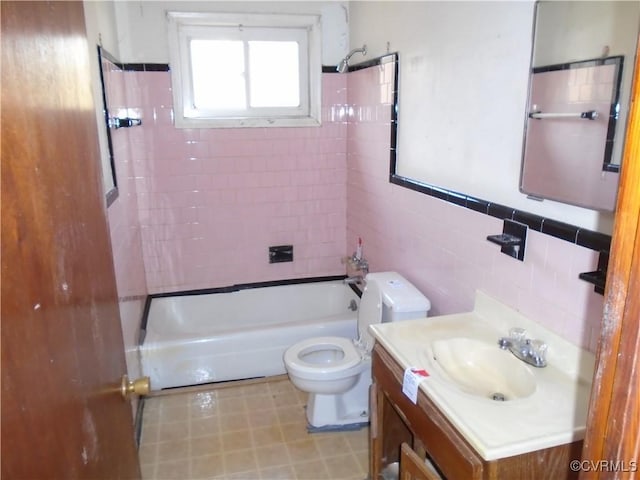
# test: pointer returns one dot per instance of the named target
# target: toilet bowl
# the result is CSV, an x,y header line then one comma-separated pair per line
x,y
336,371
324,364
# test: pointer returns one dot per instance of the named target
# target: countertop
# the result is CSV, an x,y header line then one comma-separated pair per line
x,y
553,415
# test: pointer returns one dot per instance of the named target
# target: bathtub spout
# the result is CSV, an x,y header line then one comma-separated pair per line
x,y
351,280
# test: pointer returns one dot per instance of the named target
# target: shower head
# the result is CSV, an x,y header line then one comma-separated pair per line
x,y
343,66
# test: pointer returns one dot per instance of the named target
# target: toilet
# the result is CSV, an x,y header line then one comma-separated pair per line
x,y
336,371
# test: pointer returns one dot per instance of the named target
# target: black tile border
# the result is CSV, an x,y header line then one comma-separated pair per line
x,y
145,67
593,240
247,286
135,67
563,231
137,423
112,194
592,62
477,205
165,67
500,211
533,221
374,62
143,320
571,233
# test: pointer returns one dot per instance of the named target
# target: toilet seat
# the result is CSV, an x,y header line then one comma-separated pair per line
x,y
293,357
330,358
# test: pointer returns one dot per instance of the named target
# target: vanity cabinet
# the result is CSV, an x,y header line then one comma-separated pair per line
x,y
396,420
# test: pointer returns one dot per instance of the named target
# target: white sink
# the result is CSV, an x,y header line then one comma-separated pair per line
x,y
483,369
543,407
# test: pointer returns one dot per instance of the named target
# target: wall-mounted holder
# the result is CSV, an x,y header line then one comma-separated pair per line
x,y
115,122
512,240
281,253
598,277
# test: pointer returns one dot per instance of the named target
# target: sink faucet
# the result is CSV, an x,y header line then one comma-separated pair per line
x,y
528,350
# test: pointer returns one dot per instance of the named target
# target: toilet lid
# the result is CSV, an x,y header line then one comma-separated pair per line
x,y
370,313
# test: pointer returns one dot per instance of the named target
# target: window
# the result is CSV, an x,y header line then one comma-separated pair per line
x,y
249,70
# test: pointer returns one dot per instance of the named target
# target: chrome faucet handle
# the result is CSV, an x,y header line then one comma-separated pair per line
x,y
364,266
538,352
517,335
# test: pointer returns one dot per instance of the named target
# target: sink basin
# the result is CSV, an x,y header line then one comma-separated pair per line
x,y
483,369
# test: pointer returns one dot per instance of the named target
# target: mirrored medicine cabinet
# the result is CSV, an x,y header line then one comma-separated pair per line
x,y
580,84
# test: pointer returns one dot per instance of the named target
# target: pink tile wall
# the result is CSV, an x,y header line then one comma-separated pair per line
x,y
123,219
211,201
441,247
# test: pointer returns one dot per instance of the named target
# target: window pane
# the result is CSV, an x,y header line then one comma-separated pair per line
x,y
218,74
274,74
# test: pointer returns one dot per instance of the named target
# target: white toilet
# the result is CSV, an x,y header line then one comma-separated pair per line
x,y
336,371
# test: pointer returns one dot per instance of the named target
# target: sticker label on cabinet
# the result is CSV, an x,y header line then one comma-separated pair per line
x,y
412,378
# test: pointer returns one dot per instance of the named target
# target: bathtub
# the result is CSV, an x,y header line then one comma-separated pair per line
x,y
195,339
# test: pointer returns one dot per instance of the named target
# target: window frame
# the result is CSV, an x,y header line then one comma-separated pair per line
x,y
184,26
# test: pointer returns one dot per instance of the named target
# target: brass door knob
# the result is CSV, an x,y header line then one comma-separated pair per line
x,y
139,386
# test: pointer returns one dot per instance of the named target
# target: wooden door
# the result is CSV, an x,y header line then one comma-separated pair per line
x,y
612,441
62,349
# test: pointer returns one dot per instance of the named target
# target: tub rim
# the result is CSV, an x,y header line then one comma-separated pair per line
x,y
234,288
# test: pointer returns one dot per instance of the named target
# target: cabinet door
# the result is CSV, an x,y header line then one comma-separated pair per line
x,y
412,467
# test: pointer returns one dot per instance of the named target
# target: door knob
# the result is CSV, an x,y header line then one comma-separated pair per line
x,y
139,386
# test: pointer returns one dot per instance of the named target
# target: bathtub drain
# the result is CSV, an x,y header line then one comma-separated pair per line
x,y
498,397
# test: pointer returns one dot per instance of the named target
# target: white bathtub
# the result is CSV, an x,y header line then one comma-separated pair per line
x,y
194,339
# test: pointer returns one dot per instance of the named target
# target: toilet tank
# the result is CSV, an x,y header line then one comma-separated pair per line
x,y
401,300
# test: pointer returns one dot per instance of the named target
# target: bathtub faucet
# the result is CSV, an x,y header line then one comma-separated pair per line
x,y
360,264
353,280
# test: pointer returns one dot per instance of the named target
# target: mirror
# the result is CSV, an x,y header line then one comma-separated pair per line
x,y
463,97
580,85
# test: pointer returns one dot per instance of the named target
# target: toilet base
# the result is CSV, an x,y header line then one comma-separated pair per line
x,y
343,408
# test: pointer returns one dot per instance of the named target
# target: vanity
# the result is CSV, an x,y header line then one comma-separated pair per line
x,y
478,415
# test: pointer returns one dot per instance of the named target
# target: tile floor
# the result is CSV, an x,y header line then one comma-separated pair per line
x,y
252,432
